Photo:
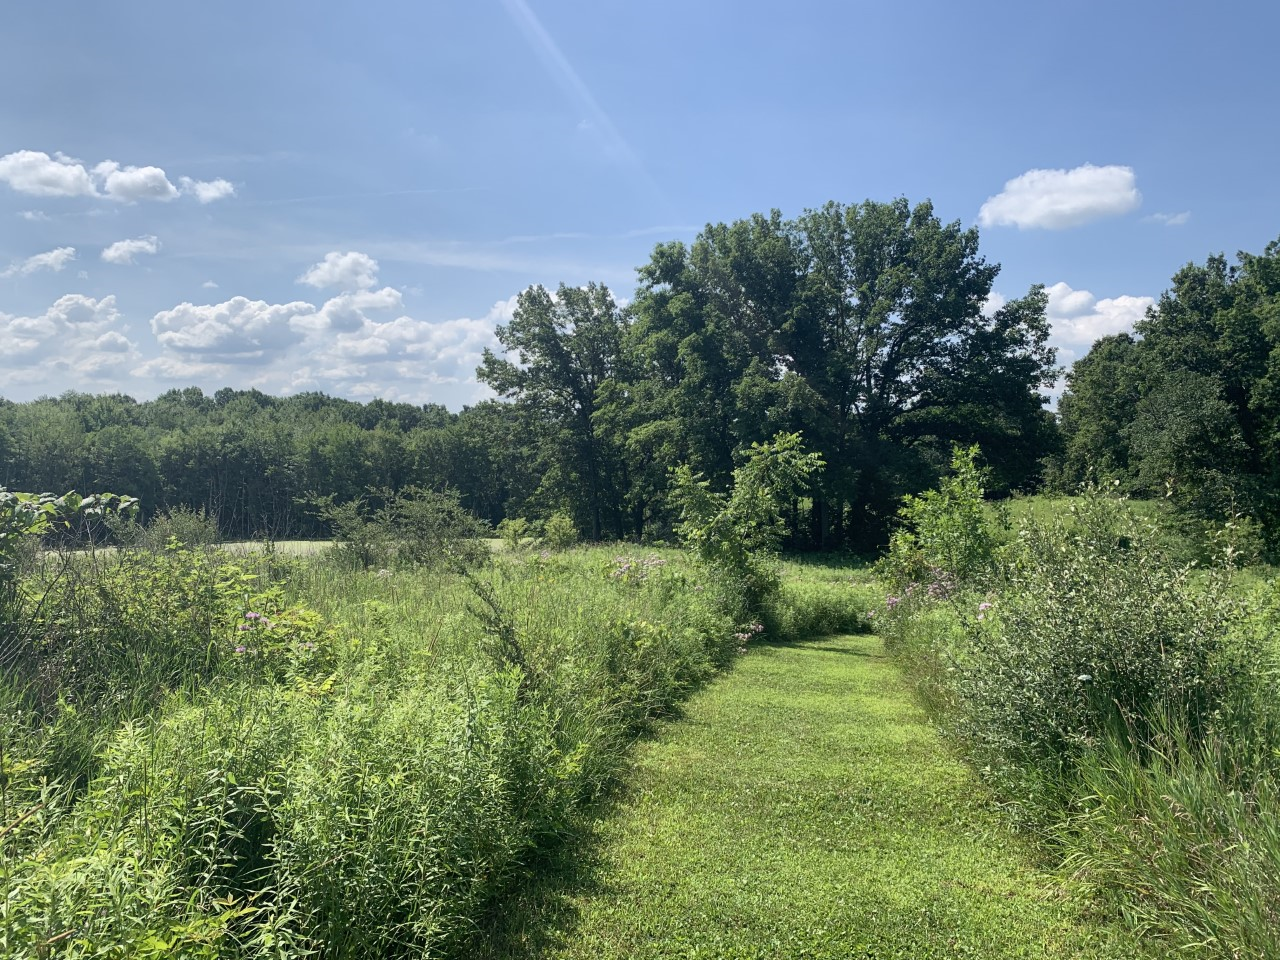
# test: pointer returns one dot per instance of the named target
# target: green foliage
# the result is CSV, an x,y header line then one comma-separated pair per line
x,y
737,535
559,532
1189,410
1096,627
408,527
514,531
226,766
182,525
1123,700
947,536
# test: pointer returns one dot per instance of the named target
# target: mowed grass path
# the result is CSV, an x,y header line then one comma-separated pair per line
x,y
803,808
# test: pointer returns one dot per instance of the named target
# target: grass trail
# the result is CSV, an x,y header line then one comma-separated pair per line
x,y
804,808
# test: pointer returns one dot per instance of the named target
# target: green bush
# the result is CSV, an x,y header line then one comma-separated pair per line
x,y
559,532
179,525
1127,703
948,535
514,531
735,535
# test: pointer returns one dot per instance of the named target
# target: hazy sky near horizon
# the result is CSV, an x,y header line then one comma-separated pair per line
x,y
347,197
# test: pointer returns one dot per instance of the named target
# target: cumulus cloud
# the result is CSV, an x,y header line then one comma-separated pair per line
x,y
207,191
124,251
209,285
35,216
238,330
357,343
37,174
1169,219
40,175
1078,318
73,342
1058,199
131,184
345,271
53,260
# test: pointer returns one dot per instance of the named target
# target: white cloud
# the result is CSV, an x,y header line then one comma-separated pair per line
x,y
35,216
40,175
346,271
73,342
188,371
124,251
131,184
1078,318
207,191
53,260
209,285
1057,199
239,330
1169,219
991,306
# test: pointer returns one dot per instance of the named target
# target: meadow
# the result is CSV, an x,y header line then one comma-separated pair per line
x,y
275,752
1033,730
1116,686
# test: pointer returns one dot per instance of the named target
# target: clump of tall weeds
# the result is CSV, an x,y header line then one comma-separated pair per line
x,y
1121,700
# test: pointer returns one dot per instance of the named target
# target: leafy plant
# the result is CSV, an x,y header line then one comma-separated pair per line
x,y
736,535
559,532
946,534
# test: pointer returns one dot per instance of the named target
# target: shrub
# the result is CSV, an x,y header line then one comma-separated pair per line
x,y
947,534
736,535
559,532
514,531
182,525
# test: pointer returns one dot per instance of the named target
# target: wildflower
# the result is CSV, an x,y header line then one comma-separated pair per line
x,y
242,649
984,606
253,616
892,602
245,626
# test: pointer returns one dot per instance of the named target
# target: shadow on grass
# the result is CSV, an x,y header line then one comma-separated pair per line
x,y
540,914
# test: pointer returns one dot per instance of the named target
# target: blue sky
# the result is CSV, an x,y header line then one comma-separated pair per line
x,y
347,197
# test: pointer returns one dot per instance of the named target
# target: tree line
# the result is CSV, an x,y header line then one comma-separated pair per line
x,y
865,327
1187,408
862,326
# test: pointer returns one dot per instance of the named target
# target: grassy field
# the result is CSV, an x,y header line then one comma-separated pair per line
x,y
804,807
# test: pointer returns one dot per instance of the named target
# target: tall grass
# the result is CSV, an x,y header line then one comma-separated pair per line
x,y
1126,705
260,757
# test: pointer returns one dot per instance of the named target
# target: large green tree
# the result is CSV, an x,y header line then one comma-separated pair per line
x,y
1189,406
861,325
567,346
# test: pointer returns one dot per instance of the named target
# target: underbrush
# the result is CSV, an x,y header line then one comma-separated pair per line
x,y
1124,703
208,756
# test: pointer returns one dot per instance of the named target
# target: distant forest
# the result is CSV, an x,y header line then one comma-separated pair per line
x,y
861,326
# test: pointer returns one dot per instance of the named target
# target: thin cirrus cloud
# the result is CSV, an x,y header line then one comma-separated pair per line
x,y
52,260
126,251
1169,219
37,174
1060,199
